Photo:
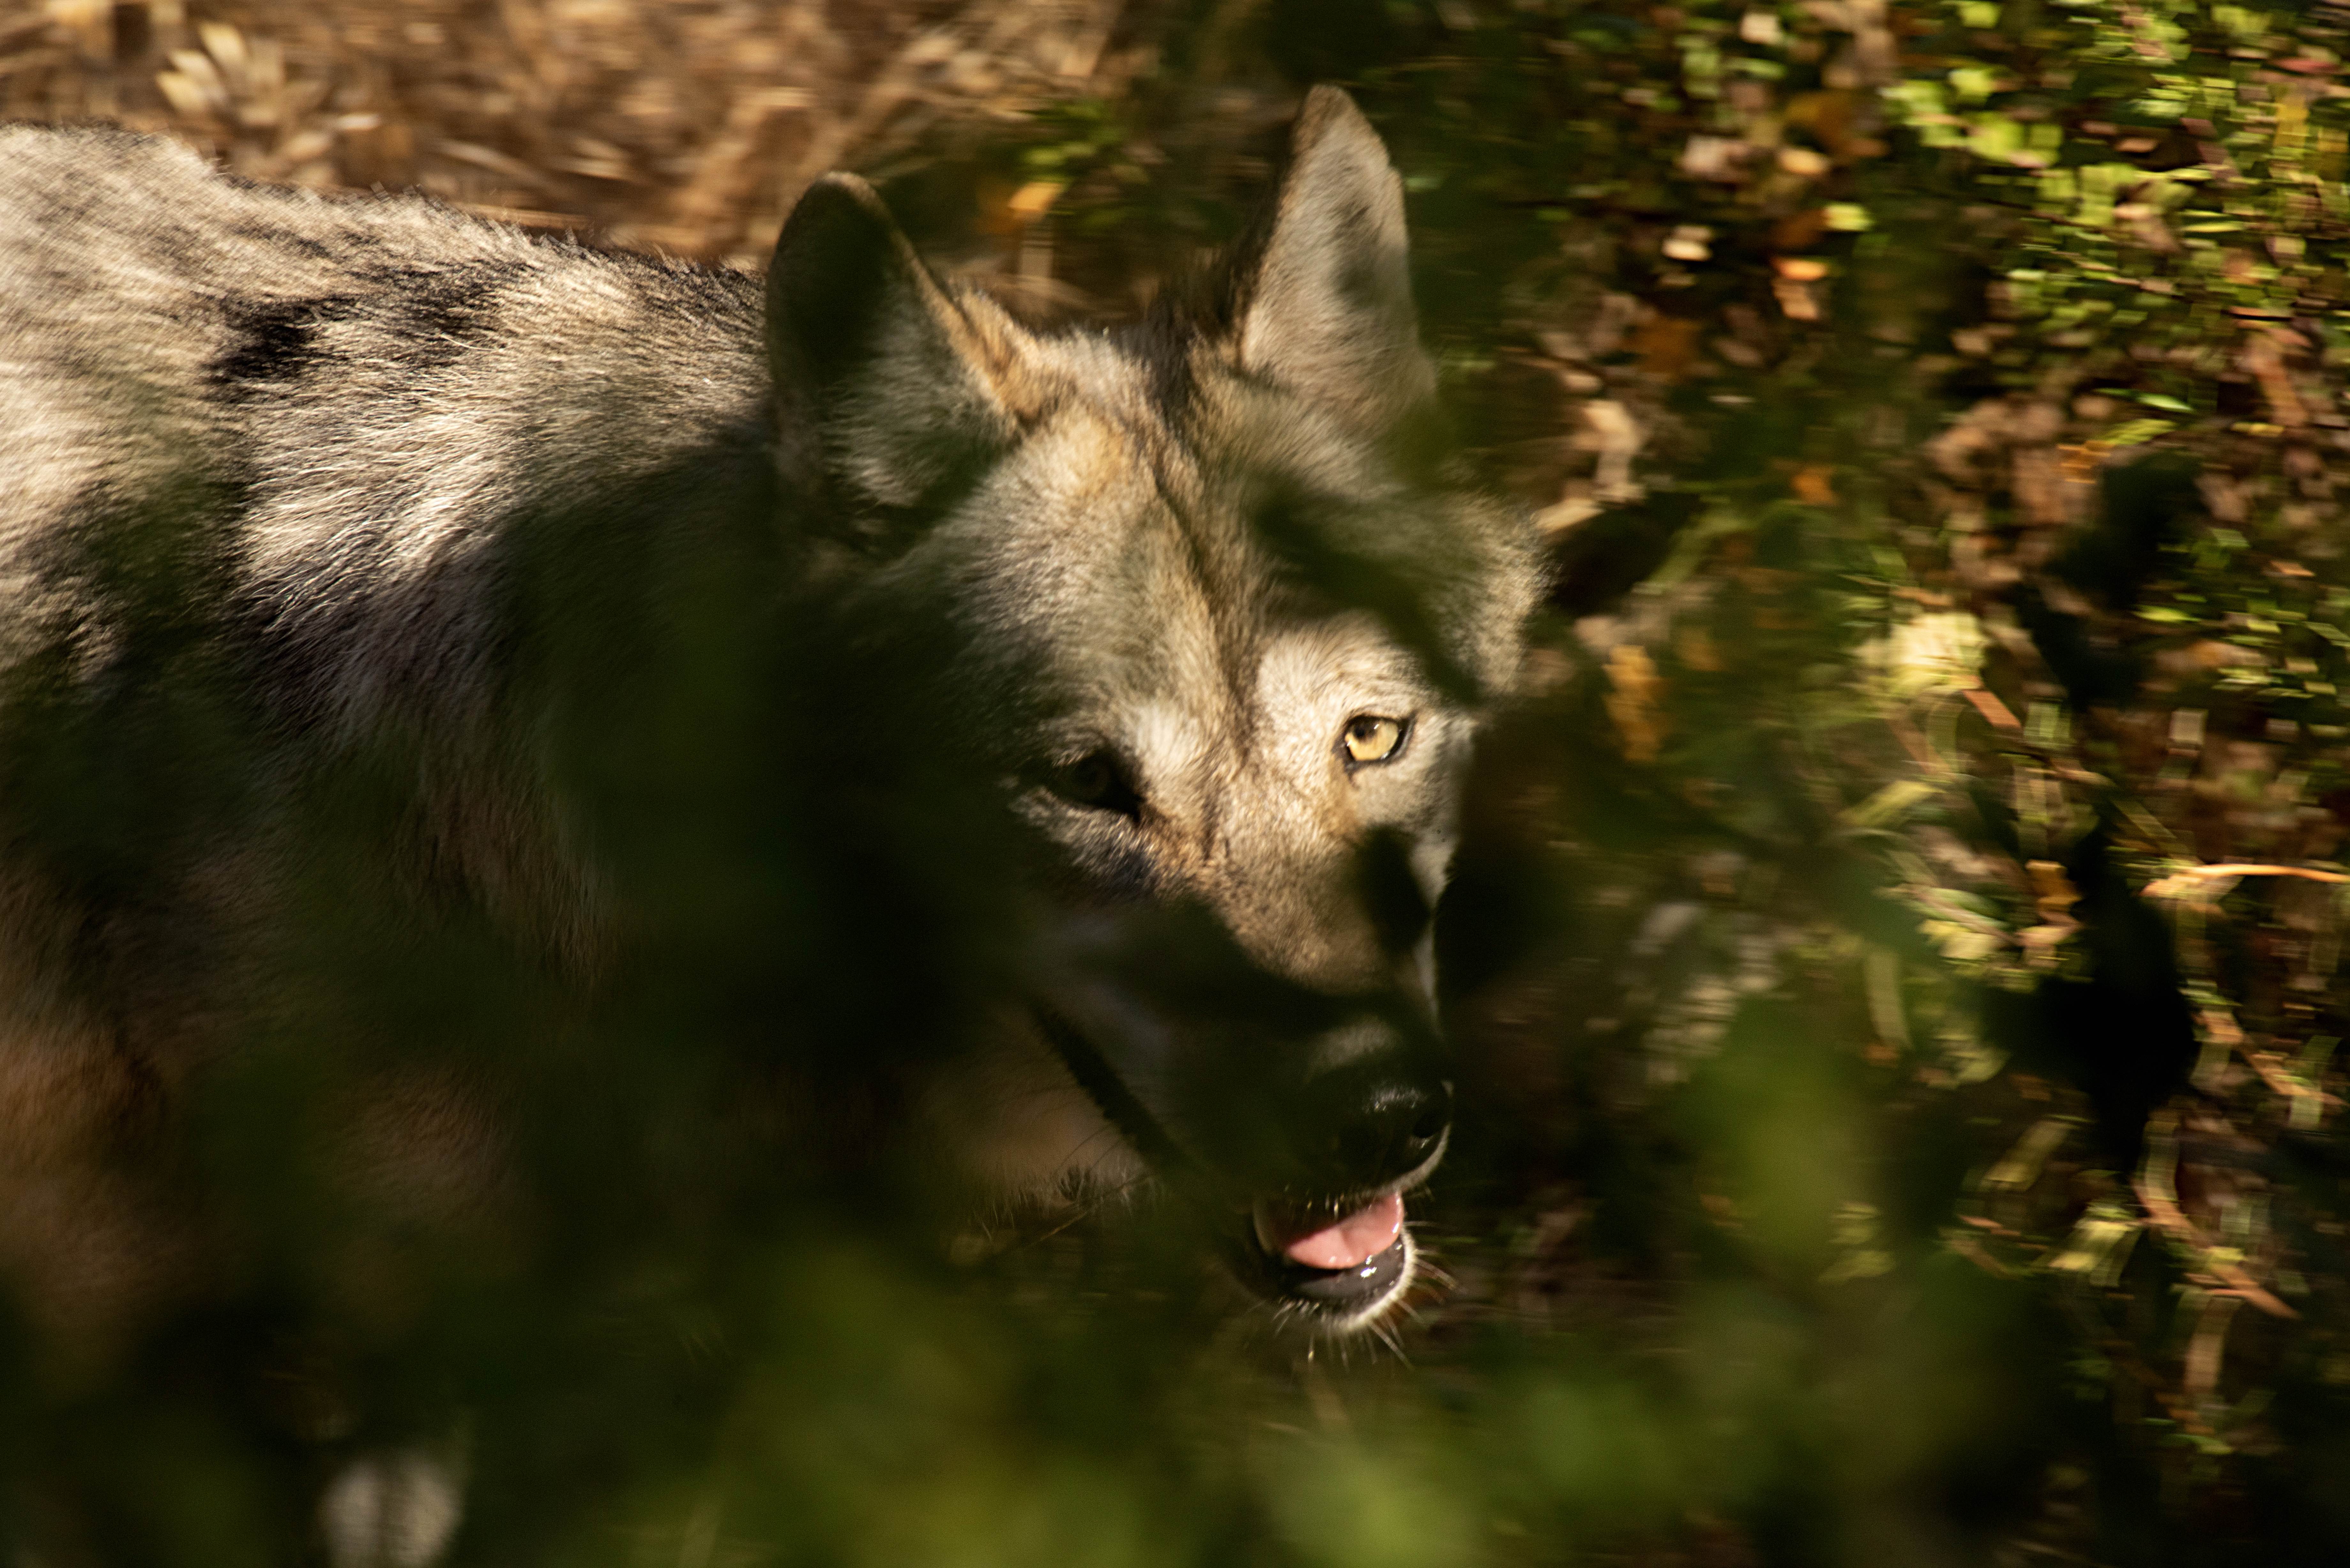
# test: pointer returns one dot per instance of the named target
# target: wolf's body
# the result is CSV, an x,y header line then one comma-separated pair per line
x,y
1189,619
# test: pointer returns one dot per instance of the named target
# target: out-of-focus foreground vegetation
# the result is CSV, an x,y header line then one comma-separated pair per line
x,y
1895,964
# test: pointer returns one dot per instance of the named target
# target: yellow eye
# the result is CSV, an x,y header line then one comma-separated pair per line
x,y
1371,739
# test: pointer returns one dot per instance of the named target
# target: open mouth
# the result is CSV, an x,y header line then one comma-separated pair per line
x,y
1342,1263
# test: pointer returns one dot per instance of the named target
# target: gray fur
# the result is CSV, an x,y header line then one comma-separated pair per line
x,y
1198,549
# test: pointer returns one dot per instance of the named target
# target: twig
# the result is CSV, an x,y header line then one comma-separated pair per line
x,y
2158,1198
2238,869
2264,1063
1992,710
2184,879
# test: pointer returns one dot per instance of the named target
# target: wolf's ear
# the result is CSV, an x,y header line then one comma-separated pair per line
x,y
888,391
1325,288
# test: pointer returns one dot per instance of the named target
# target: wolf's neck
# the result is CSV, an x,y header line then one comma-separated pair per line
x,y
504,637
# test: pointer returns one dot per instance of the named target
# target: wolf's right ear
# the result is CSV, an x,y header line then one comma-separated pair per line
x,y
1324,282
888,391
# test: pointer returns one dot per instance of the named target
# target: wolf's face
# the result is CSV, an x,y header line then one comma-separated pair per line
x,y
1220,630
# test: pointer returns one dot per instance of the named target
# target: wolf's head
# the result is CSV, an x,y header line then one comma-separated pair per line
x,y
1223,621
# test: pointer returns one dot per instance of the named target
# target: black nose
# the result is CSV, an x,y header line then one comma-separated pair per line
x,y
1366,1123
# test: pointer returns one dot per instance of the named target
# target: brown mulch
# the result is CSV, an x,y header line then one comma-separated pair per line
x,y
687,126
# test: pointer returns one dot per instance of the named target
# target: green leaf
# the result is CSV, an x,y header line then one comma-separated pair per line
x,y
2137,432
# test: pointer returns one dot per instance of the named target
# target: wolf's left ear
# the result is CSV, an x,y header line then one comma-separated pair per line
x,y
888,391
1324,291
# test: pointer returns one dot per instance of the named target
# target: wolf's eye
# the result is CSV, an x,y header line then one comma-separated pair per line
x,y
1369,738
1098,782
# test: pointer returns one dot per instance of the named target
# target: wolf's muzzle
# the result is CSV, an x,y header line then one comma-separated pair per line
x,y
1367,1125
1320,1190
1362,1136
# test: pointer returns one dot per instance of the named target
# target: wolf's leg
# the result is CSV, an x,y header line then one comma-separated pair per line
x,y
87,1246
396,1509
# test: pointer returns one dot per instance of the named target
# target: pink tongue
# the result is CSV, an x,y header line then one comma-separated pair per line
x,y
1352,1240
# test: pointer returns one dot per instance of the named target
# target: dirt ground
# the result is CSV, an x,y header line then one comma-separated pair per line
x,y
686,126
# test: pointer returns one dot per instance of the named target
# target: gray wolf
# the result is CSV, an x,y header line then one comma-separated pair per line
x,y
375,571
